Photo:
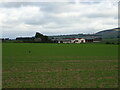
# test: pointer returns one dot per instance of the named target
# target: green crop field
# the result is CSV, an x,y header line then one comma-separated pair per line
x,y
37,65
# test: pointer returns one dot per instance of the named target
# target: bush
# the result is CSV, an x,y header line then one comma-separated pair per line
x,y
118,43
112,43
108,43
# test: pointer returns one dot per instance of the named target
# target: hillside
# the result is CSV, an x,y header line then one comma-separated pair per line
x,y
111,33
105,34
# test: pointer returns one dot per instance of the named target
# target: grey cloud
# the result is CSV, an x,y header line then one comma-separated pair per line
x,y
13,35
18,4
101,15
52,22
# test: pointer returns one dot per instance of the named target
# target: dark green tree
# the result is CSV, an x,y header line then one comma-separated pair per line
x,y
44,39
38,35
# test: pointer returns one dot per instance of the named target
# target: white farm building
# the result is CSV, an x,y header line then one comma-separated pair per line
x,y
72,40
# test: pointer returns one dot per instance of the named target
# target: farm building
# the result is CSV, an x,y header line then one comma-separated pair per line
x,y
76,40
72,40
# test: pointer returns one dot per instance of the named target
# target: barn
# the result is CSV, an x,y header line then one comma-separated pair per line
x,y
78,40
72,40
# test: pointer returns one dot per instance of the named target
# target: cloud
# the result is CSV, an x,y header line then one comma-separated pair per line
x,y
20,15
57,18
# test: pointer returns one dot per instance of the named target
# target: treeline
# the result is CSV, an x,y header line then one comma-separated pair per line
x,y
111,41
39,38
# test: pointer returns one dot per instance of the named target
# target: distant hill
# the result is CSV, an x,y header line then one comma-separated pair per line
x,y
111,33
86,36
105,34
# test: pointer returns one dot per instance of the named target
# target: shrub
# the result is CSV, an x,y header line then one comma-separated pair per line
x,y
107,42
112,43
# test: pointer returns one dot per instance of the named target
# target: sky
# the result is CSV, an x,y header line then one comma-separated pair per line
x,y
21,19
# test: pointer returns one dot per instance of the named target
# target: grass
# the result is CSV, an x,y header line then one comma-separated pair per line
x,y
60,65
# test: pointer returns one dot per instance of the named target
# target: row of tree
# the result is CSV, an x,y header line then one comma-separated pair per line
x,y
38,38
41,38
